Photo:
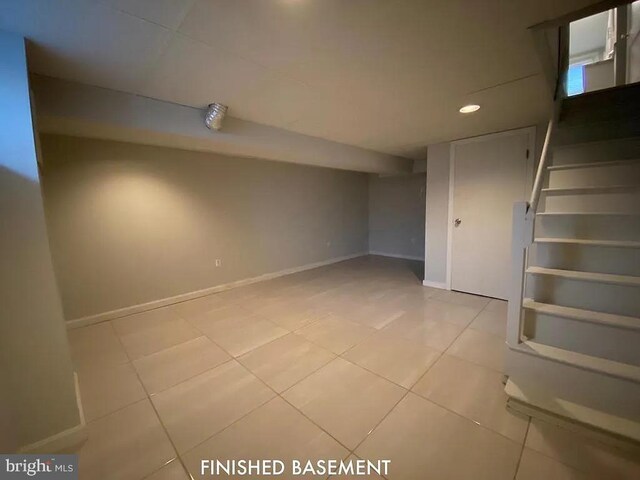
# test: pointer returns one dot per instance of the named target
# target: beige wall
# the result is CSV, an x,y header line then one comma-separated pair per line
x,y
396,215
131,224
37,395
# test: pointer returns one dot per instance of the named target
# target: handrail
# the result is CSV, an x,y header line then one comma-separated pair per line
x,y
522,238
558,94
542,165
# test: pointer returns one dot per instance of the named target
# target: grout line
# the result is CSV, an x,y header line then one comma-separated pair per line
x,y
478,424
270,399
297,382
276,395
253,409
155,410
524,441
471,361
375,331
191,377
181,455
443,353
409,390
176,459
381,420
280,395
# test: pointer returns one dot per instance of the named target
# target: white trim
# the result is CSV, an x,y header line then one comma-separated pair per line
x,y
531,131
450,214
67,441
440,285
397,255
426,218
163,302
576,417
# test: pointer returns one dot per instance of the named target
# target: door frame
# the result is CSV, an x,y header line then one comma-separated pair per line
x,y
530,131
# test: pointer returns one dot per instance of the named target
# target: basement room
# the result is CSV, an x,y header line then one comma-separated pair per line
x,y
320,239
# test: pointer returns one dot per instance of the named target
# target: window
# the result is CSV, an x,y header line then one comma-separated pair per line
x,y
575,80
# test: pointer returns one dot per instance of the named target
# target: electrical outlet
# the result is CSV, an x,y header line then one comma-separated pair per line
x,y
328,243
218,262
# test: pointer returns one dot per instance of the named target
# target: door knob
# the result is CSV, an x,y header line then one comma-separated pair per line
x,y
457,222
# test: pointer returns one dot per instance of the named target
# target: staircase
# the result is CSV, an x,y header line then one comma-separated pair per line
x,y
573,346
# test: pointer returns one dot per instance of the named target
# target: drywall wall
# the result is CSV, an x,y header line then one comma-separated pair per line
x,y
396,215
132,224
437,211
36,376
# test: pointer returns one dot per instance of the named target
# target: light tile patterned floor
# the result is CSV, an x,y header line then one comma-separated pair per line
x,y
353,360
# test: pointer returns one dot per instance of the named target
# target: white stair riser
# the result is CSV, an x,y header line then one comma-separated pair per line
x,y
589,227
626,202
601,131
600,297
620,261
592,389
597,152
593,339
626,174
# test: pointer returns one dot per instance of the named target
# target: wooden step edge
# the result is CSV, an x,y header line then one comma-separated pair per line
x,y
590,190
580,360
538,403
610,163
626,280
585,242
589,316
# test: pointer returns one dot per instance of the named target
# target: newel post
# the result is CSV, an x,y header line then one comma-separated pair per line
x,y
521,238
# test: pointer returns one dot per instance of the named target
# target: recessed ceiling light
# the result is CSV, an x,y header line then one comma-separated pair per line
x,y
470,108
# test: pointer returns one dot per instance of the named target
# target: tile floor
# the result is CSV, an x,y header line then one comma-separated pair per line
x,y
351,360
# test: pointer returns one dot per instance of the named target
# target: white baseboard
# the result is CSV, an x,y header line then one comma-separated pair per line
x,y
143,307
67,441
397,255
429,283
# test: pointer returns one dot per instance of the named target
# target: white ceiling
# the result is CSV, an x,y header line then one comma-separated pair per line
x,y
387,75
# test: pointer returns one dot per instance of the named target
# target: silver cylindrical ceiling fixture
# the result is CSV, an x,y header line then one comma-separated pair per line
x,y
215,115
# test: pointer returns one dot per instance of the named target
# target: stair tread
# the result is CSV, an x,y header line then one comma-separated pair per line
x,y
590,190
620,321
531,399
611,163
597,364
599,243
587,276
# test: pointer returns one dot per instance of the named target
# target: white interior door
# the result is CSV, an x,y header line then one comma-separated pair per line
x,y
489,175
